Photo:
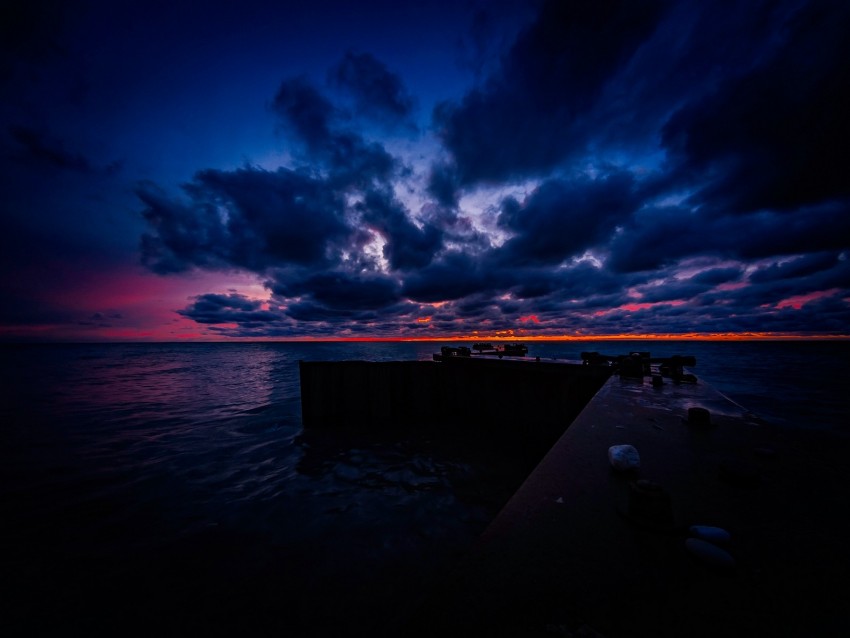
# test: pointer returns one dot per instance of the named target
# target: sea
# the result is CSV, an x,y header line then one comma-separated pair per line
x,y
170,489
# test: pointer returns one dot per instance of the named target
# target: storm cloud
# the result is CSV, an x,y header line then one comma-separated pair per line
x,y
687,221
586,168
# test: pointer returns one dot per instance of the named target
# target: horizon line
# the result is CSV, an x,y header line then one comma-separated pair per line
x,y
691,336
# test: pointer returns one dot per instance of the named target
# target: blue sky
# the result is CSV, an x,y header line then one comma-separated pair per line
x,y
176,170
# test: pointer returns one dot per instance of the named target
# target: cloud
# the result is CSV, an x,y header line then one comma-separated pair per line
x,y
248,218
650,202
407,246
323,308
563,218
339,290
720,275
230,308
807,229
306,112
775,136
453,276
379,94
443,184
659,236
316,233
315,123
527,117
795,267
37,146
101,320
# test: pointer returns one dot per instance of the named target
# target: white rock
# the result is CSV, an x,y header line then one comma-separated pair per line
x,y
709,554
623,457
710,534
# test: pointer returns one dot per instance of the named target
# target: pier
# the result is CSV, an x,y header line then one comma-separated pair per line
x,y
586,549
524,400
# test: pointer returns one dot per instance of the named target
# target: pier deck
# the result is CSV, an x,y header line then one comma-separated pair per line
x,y
564,557
568,554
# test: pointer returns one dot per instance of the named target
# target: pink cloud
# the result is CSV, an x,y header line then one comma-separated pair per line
x,y
798,301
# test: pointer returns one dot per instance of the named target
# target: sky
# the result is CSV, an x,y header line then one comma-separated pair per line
x,y
390,170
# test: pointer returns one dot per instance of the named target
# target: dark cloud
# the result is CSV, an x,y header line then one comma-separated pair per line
x,y
582,281
305,230
453,276
183,237
775,137
340,290
379,94
769,291
407,246
823,316
230,308
493,28
674,185
798,266
306,112
715,276
360,164
273,217
527,118
248,218
767,233
537,284
708,304
561,219
443,184
675,290
37,146
101,320
315,122
658,236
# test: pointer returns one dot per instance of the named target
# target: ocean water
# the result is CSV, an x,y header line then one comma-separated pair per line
x,y
170,489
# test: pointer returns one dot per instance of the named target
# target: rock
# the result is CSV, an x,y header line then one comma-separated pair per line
x,y
711,534
709,554
623,457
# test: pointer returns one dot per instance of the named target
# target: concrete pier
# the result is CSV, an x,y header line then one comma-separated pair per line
x,y
575,552
570,555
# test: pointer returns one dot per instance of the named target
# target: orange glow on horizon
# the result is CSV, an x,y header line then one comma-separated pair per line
x,y
694,336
